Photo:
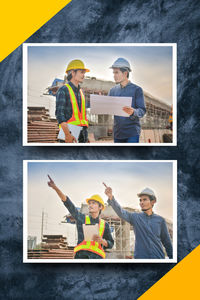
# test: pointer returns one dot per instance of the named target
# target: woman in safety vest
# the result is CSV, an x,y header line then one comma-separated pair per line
x,y
94,249
70,103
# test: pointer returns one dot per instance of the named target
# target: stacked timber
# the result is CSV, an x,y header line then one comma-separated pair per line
x,y
54,242
41,128
51,253
38,114
53,247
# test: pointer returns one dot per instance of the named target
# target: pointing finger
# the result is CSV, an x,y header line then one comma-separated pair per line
x,y
49,178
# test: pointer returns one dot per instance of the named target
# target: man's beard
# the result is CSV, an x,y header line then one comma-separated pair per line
x,y
118,81
145,209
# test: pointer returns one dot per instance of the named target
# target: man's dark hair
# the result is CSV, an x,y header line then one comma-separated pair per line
x,y
152,197
69,75
125,70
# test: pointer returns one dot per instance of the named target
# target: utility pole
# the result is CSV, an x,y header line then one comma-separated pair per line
x,y
42,225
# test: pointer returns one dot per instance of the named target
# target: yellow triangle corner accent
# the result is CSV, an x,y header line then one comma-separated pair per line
x,y
181,282
20,19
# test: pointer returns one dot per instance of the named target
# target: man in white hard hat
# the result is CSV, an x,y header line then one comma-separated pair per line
x,y
150,229
71,104
94,249
127,129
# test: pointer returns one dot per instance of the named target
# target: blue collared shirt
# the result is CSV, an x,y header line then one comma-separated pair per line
x,y
151,233
125,127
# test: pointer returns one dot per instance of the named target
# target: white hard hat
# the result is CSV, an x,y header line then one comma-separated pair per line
x,y
121,63
147,191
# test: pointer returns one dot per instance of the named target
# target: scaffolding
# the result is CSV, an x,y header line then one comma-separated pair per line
x,y
122,236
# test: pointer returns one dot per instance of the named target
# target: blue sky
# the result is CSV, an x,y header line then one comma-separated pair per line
x,y
152,66
79,180
144,169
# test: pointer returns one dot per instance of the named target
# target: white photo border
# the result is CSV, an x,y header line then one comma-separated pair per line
x,y
25,213
174,90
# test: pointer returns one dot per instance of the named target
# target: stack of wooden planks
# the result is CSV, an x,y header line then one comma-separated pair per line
x,y
41,128
38,113
53,247
54,242
51,254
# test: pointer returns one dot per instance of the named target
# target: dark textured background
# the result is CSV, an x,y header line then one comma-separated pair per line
x,y
101,21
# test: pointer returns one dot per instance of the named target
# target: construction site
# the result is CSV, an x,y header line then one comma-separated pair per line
x,y
57,246
43,127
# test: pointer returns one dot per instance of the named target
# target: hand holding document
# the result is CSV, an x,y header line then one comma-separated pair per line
x,y
89,231
109,105
74,130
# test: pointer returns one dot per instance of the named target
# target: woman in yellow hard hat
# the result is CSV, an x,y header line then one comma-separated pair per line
x,y
94,249
71,104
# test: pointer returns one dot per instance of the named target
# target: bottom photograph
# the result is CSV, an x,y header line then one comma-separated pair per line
x,y
99,211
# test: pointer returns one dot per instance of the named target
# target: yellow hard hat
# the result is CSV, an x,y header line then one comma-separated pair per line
x,y
96,198
76,64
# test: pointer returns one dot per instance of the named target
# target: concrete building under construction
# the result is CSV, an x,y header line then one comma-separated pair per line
x,y
154,123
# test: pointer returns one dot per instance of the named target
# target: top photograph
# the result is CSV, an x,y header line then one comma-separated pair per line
x,y
99,94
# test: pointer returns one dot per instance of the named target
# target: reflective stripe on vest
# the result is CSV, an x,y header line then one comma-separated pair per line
x,y
78,118
92,246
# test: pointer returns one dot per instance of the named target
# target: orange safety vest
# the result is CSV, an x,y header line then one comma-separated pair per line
x,y
78,118
92,246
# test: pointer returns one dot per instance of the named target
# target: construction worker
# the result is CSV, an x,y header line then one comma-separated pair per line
x,y
150,229
94,249
70,103
127,129
170,119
